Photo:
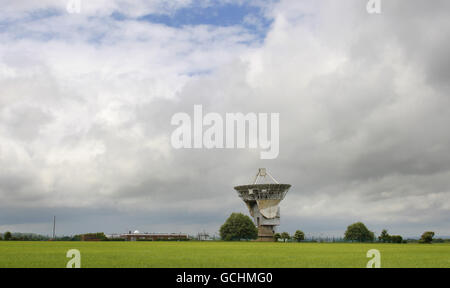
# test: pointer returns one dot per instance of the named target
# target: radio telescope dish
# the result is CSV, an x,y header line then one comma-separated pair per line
x,y
262,200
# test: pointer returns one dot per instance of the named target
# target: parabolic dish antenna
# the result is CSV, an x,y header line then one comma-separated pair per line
x,y
262,200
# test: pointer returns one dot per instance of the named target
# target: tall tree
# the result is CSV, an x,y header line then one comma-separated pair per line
x,y
384,237
359,232
238,226
7,236
427,237
276,236
285,236
299,235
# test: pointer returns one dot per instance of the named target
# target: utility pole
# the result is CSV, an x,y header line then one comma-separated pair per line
x,y
54,226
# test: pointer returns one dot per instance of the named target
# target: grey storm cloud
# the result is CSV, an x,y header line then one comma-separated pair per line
x,y
363,102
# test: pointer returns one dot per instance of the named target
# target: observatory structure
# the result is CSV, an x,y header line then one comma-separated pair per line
x,y
262,200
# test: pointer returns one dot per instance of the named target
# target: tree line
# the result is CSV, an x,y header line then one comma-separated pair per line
x,y
8,236
241,227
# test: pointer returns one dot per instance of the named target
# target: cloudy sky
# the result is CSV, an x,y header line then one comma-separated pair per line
x,y
86,102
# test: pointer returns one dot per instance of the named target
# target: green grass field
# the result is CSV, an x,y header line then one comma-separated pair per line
x,y
220,254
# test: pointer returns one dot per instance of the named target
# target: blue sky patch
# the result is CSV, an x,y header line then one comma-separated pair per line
x,y
225,15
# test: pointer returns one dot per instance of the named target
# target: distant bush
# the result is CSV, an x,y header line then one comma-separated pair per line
x,y
65,238
76,238
427,237
396,239
99,236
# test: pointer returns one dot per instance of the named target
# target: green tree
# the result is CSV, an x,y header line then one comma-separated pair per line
x,y
276,236
99,236
384,237
299,235
238,226
7,236
359,232
427,237
285,236
396,239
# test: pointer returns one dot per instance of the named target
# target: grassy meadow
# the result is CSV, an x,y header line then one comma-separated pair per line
x,y
221,254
